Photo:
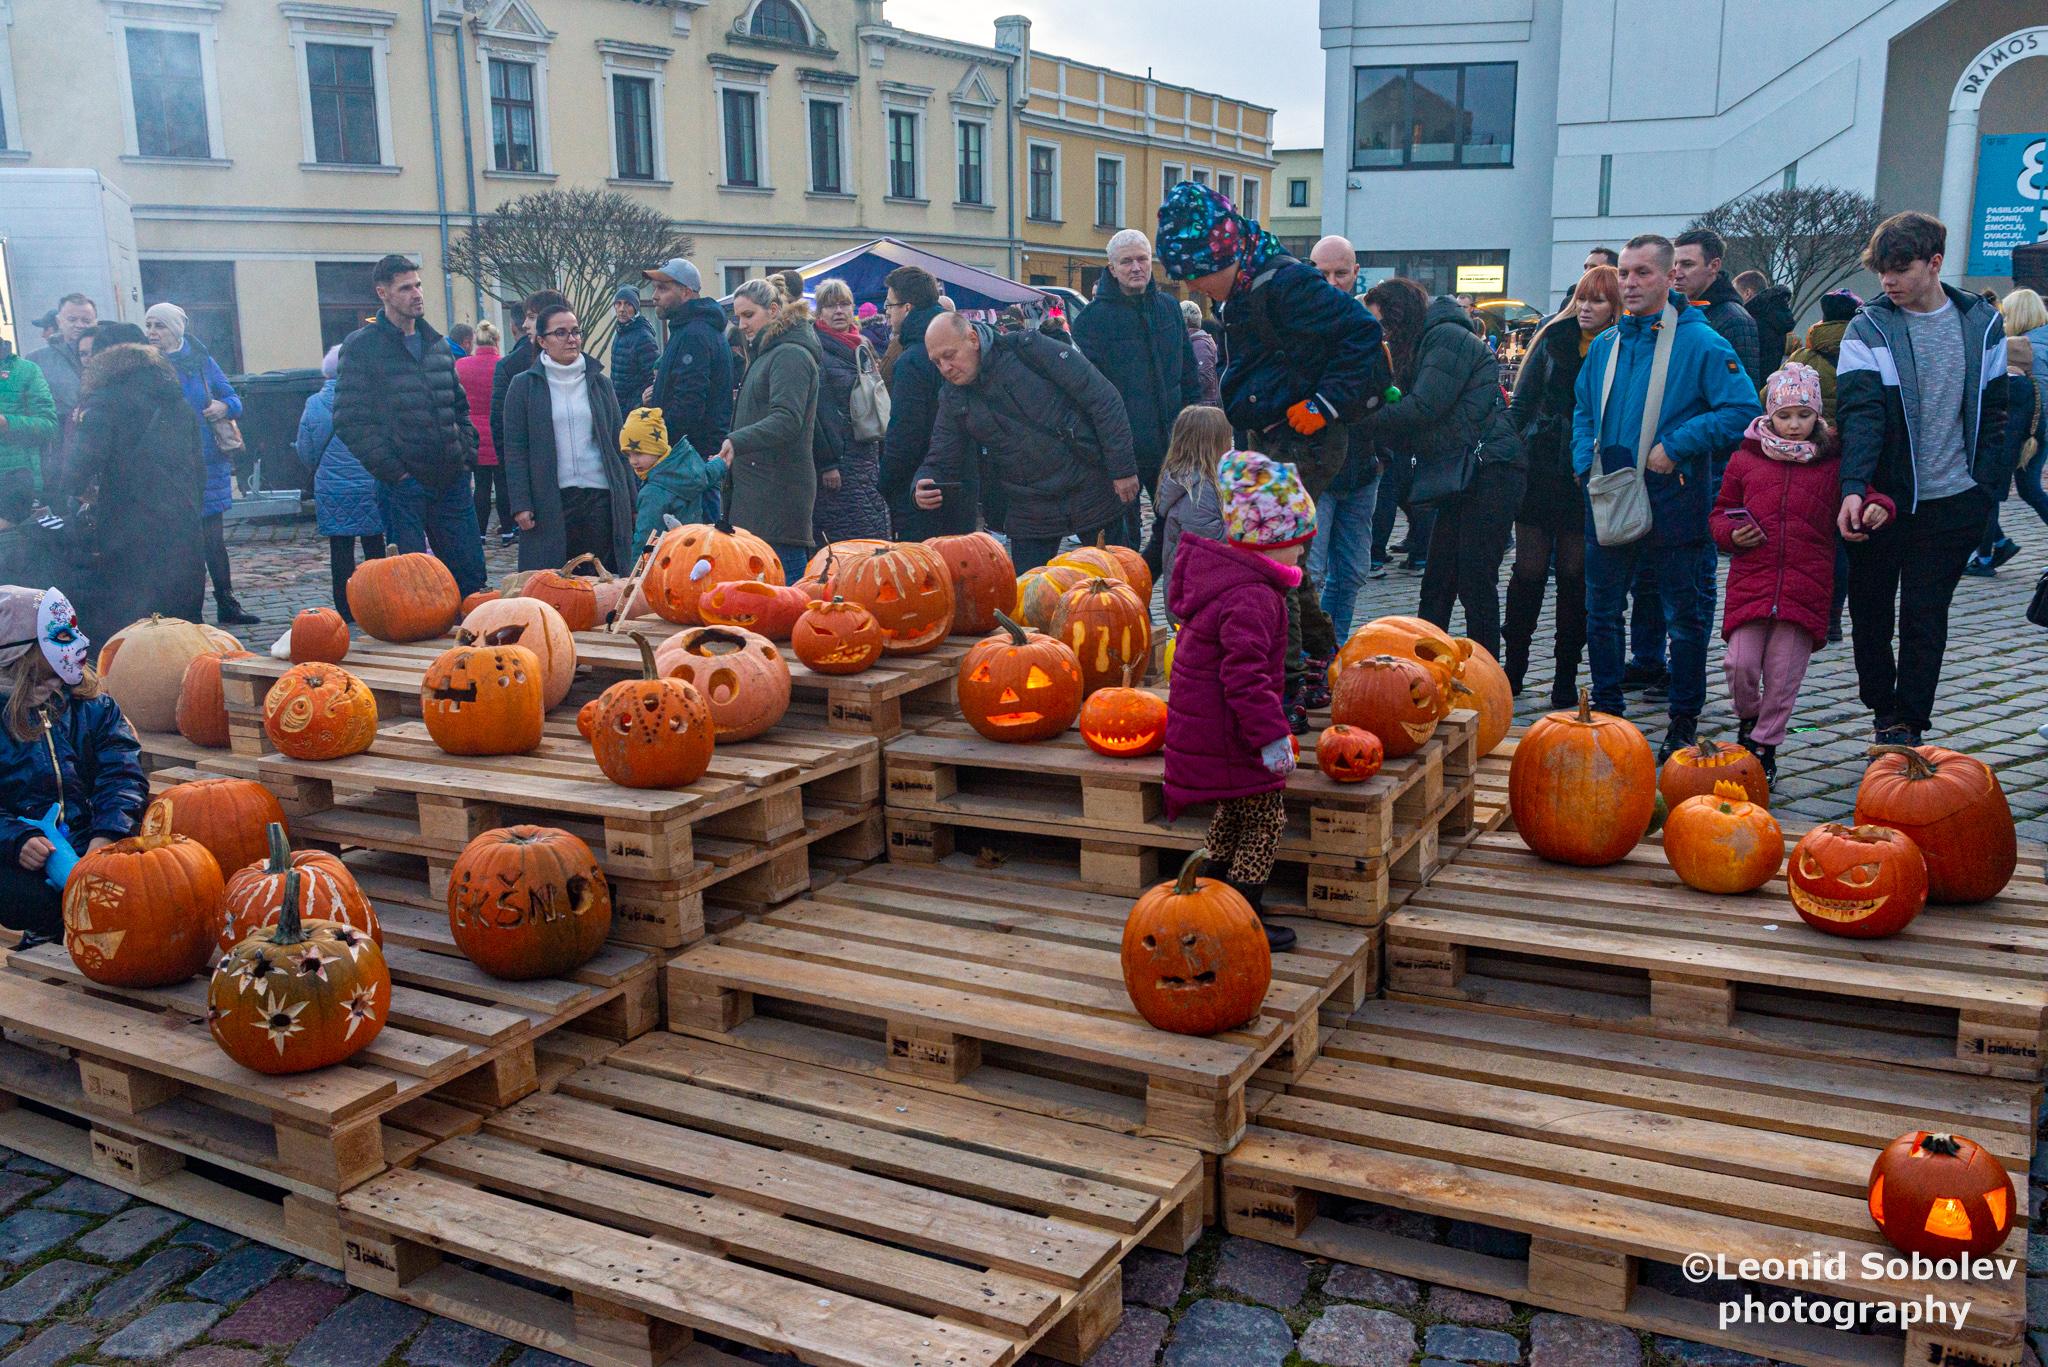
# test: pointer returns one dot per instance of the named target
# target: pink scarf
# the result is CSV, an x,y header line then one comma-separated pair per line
x,y
1777,447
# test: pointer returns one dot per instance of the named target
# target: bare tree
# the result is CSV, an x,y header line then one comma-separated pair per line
x,y
1808,239
585,243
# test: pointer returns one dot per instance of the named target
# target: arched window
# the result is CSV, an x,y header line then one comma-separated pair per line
x,y
781,21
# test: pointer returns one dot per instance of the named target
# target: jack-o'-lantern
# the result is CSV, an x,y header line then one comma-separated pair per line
x,y
1406,638
327,892
1018,685
582,599
1107,628
1953,808
1039,593
690,561
1123,722
319,711
1395,699
742,677
202,707
907,590
318,635
649,732
403,597
984,581
1723,842
1699,769
1582,786
763,609
228,816
484,697
142,912
1860,881
836,637
1483,686
1942,1195
542,631
528,902
1195,957
825,559
1349,754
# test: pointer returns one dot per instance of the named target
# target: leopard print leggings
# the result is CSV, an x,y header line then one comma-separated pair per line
x,y
1244,833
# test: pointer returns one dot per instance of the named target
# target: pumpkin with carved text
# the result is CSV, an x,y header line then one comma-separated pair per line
x,y
528,902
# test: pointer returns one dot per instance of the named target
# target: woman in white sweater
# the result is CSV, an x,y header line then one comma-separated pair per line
x,y
570,490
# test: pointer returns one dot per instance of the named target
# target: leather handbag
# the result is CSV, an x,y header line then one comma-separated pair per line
x,y
869,402
1620,496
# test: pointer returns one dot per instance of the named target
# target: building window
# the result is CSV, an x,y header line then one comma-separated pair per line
x,y
633,126
1436,272
735,276
1250,203
972,141
345,297
1170,175
342,82
1109,192
828,174
1044,196
1433,116
206,291
1606,182
515,144
167,78
1226,185
1201,175
742,138
779,21
1790,180
1297,194
903,157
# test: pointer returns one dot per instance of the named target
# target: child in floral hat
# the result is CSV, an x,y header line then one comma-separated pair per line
x,y
1227,737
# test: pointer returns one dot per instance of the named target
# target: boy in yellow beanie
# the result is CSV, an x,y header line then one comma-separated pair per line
x,y
674,480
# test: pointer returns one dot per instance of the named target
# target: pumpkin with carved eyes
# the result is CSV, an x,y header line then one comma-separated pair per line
x,y
1860,881
649,732
1700,769
1722,842
1123,722
1582,787
1107,628
1039,593
542,631
319,711
1952,807
689,562
1483,686
905,587
742,677
826,560
764,609
1407,638
984,581
1018,685
483,697
1195,957
836,637
1942,1195
1395,699
1349,754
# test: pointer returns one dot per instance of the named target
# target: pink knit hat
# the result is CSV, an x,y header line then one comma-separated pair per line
x,y
1795,386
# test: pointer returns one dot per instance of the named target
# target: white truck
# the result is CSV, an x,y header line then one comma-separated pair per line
x,y
64,231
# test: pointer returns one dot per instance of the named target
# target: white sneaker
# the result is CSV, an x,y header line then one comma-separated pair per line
x,y
2042,732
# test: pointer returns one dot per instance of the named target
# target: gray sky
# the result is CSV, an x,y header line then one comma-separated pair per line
x,y
1269,53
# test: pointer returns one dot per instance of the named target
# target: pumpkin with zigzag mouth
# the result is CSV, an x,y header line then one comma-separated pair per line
x,y
1863,882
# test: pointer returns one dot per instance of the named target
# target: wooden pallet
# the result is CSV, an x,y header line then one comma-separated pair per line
x,y
1629,948
691,1188
1490,786
1592,1164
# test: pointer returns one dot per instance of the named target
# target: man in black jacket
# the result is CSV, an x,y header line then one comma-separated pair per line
x,y
634,349
1771,306
693,381
914,384
401,411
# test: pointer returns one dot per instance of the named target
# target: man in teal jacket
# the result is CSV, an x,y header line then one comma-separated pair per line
x,y
28,423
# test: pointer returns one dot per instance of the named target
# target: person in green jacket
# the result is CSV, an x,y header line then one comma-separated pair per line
x,y
674,479
28,423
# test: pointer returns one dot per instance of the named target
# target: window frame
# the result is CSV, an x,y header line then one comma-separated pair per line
x,y
1292,182
1031,148
808,31
1226,186
511,103
890,114
1458,162
12,148
342,26
841,170
504,45
322,305
1103,159
201,30
342,93
726,93
618,109
982,127
1251,190
639,62
1171,173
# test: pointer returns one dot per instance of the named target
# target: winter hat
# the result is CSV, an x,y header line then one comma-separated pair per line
x,y
1839,306
43,618
330,364
866,311
627,294
1200,233
171,317
1795,386
1263,501
645,434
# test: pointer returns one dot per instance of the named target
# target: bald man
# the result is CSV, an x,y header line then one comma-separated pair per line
x,y
1341,558
1336,260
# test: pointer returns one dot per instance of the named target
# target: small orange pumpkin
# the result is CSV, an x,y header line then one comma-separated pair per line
x,y
836,638
1700,769
327,892
477,600
404,597
484,697
319,635
1195,957
1722,842
649,732
742,677
1395,699
1017,685
1122,721
764,609
202,710
1349,754
319,711
142,912
1942,1195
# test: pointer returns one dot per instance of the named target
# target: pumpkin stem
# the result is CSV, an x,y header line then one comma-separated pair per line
x,y
290,930
280,850
647,669
1018,636
1184,885
1917,764
1585,703
1130,669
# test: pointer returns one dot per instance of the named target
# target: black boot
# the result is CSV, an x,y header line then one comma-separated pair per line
x,y
1767,755
1279,939
1743,726
1681,732
1518,625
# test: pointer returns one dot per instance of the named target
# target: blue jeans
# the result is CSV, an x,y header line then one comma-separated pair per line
x,y
416,517
1645,619
1684,578
794,559
1343,549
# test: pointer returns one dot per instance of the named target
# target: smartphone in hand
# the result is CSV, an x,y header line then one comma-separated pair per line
x,y
1742,517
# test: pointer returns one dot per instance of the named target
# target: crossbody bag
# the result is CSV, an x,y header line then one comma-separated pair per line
x,y
1620,498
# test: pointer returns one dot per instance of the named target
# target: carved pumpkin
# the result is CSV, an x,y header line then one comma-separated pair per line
x,y
1040,592
1395,699
142,666
984,581
1953,808
825,560
327,892
1123,722
1941,1195
319,712
541,630
227,816
477,600
690,561
907,589
573,595
1482,685
1698,769
143,912
202,710
298,994
763,609
1863,882
1349,754
484,697
836,638
1582,786
319,635
1723,842
1017,685
404,597
1135,571
1108,629
1406,638
528,902
1195,958
741,677
1094,562
649,732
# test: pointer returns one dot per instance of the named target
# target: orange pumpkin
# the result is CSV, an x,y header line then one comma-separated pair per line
x,y
1698,770
1135,571
574,595
484,697
1040,591
690,561
1123,722
742,677
1017,685
1722,842
1108,629
649,732
404,597
202,710
319,712
1095,562
1953,808
1582,786
1482,685
1941,1195
541,630
1195,958
477,600
1863,882
1406,638
1349,754
1395,699
142,666
227,816
327,892
142,912
528,902
823,561
763,609
836,638
319,635
984,581
907,589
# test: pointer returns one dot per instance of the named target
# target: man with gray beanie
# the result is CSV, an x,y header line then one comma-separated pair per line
x,y
634,349
693,380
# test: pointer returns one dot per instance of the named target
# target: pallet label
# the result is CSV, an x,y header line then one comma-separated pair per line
x,y
847,710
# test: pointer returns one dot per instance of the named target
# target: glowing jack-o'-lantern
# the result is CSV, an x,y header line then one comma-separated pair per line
x,y
528,902
1018,685
1722,842
1124,722
319,711
1108,628
484,698
836,638
1349,754
1942,1195
1395,699
1195,957
742,677
1859,881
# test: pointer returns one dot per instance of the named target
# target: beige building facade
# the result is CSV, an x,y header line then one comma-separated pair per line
x,y
1296,215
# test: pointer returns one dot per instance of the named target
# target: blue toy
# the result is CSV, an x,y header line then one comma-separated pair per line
x,y
57,868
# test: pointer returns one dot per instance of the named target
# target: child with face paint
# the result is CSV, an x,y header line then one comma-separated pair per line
x,y
64,747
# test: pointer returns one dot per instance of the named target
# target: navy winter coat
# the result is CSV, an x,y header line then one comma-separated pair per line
x,y
203,381
404,417
1317,343
693,383
344,494
1723,309
634,353
91,762
1140,344
914,386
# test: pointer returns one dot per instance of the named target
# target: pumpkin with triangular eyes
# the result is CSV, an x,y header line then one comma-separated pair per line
x,y
1860,881
484,697
1942,1195
1019,685
906,588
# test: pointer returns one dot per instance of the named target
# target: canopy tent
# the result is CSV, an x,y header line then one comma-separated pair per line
x,y
865,267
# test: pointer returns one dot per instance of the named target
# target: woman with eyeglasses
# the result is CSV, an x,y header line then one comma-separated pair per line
x,y
570,489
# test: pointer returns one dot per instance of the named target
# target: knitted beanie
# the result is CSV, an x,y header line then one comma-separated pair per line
x,y
644,434
1839,306
1264,504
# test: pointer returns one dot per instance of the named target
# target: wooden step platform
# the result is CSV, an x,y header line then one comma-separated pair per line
x,y
1581,1168
1490,784
1630,948
687,1188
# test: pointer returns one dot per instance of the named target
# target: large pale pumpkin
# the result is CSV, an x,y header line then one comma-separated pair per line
x,y
984,581
541,630
227,816
142,666
143,912
202,710
1109,630
1195,957
1582,786
689,561
404,597
742,677
907,590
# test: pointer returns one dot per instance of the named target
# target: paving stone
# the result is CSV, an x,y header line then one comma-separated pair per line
x,y
2037,1254
321,1272
8,1334
162,1330
1467,1307
84,1194
1353,1336
39,1294
1569,1341
362,1332
1471,1345
35,1166
1265,1273
283,1312
1350,1283
1154,1278
53,1345
200,1234
1225,1334
1706,1354
128,1233
532,1357
16,1187
1134,1343
2037,1302
27,1233
445,1343
162,1271
241,1274
214,1355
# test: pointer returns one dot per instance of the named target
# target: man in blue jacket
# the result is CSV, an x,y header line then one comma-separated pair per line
x,y
693,380
634,350
1708,402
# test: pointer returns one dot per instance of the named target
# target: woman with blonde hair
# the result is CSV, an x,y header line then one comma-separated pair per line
x,y
849,501
774,482
2026,404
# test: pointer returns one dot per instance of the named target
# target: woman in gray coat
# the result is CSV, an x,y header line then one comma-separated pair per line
x,y
570,490
773,422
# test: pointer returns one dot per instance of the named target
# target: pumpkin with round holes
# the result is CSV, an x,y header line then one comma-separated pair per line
x,y
1406,638
1195,957
690,561
573,594
327,892
483,697
1953,808
907,589
1942,1195
1863,882
142,666
649,732
836,637
1018,685
144,911
404,597
984,581
742,677
1040,591
1108,629
228,816
319,712
1723,842
1395,699
1349,754
1483,686
1699,769
528,902
1582,786
202,709
1123,722
319,636
541,630
764,609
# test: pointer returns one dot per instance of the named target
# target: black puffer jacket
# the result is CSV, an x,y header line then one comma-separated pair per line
x,y
634,352
694,380
1772,309
1053,427
1140,344
1723,310
399,416
1452,404
1542,414
1292,336
914,386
